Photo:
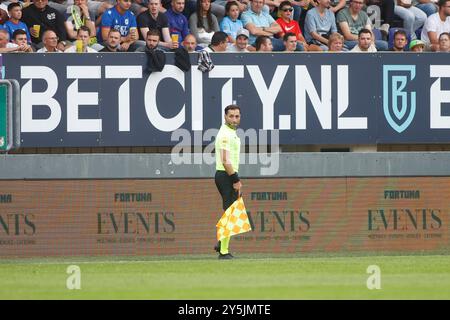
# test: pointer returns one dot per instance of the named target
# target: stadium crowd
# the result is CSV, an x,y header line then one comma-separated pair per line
x,y
223,25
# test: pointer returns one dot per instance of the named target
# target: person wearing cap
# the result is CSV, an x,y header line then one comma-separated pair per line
x,y
241,43
230,23
417,46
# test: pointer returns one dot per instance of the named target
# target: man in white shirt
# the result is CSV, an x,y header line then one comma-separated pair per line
x,y
435,25
365,42
6,46
50,41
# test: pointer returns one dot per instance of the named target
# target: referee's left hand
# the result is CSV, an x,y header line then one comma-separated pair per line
x,y
237,186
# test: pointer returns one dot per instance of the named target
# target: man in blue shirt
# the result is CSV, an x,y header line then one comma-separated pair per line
x,y
14,23
261,23
121,18
320,23
178,23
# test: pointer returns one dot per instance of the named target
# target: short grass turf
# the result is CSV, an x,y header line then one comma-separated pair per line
x,y
249,277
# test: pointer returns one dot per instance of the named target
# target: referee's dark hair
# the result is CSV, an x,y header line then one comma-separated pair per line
x,y
232,107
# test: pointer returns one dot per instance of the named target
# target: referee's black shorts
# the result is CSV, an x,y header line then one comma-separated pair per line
x,y
225,187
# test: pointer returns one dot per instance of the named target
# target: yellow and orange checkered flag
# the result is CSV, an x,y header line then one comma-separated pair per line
x,y
234,220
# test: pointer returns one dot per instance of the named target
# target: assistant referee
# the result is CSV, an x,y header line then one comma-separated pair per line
x,y
228,147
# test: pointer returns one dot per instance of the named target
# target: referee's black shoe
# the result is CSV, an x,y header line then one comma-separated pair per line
x,y
226,256
217,247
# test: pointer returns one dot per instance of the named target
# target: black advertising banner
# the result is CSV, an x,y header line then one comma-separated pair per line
x,y
111,99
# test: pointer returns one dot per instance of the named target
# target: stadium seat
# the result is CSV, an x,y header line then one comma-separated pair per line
x,y
377,34
419,33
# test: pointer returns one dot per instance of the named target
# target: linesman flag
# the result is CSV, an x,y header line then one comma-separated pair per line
x,y
234,220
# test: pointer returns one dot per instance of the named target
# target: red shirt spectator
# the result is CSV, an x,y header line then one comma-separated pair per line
x,y
291,26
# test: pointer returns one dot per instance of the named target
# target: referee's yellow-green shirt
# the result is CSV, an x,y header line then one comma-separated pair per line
x,y
227,139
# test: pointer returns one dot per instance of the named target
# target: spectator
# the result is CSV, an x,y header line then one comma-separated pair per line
x,y
50,41
83,38
217,8
336,43
413,18
387,13
3,16
337,5
289,25
14,23
77,15
243,5
444,42
417,46
20,39
365,42
400,41
95,8
435,25
219,42
112,43
241,42
263,44
203,23
320,23
427,6
178,24
260,23
290,42
351,20
45,18
5,45
121,18
190,43
154,19
151,42
230,23
274,7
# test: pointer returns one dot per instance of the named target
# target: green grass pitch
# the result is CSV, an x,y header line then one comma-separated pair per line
x,y
249,277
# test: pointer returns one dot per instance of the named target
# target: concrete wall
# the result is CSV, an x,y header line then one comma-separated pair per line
x,y
123,166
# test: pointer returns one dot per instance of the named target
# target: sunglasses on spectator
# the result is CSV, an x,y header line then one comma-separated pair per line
x,y
287,9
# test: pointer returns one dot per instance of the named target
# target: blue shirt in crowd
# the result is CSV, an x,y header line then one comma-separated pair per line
x,y
11,27
231,27
178,24
113,19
